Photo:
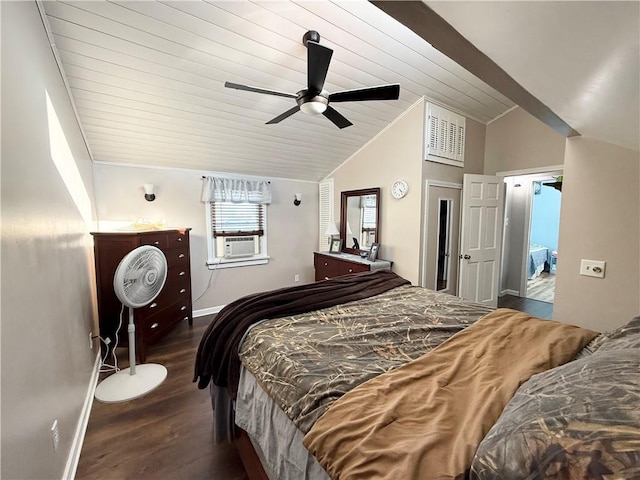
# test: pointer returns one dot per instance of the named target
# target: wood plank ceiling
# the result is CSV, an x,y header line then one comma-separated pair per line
x,y
147,79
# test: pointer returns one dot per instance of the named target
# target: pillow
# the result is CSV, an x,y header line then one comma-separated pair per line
x,y
579,420
627,336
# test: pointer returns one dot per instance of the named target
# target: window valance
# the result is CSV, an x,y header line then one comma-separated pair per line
x,y
217,189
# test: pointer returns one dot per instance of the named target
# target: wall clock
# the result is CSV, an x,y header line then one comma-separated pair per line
x,y
399,188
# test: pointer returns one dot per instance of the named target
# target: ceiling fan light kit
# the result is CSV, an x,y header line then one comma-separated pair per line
x,y
314,100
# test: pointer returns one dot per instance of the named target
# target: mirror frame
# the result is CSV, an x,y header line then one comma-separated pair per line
x,y
343,215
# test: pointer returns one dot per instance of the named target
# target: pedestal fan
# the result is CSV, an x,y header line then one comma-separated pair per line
x,y
138,280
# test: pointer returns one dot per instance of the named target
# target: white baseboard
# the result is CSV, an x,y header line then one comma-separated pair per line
x,y
207,311
81,428
509,292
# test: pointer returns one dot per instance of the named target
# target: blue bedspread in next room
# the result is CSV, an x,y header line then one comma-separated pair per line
x,y
538,255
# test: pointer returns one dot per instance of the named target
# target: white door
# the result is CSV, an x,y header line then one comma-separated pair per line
x,y
481,238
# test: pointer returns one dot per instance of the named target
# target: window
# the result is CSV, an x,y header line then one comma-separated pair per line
x,y
237,230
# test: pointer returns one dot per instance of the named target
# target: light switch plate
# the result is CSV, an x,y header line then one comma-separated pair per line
x,y
592,268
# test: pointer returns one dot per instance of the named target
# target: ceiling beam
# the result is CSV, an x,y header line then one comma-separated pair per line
x,y
441,35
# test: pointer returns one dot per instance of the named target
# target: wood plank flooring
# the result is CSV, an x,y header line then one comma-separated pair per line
x,y
165,435
542,287
533,307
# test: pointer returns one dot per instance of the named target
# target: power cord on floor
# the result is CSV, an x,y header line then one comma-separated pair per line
x,y
105,367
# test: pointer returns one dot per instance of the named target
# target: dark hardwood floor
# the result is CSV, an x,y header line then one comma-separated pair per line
x,y
165,435
533,307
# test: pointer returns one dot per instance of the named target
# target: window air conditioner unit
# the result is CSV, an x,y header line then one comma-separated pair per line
x,y
240,246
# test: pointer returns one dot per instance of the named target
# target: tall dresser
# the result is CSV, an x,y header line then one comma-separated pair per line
x,y
171,306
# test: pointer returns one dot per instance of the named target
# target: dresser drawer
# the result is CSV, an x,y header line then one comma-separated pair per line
x,y
177,256
175,239
157,240
173,292
329,267
159,323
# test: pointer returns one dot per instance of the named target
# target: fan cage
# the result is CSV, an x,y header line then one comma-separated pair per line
x,y
140,276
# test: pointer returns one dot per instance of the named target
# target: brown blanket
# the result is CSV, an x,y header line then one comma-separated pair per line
x,y
217,356
425,420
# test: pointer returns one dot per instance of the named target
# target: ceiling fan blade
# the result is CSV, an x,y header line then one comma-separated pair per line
x,y
237,86
318,59
337,118
284,115
383,92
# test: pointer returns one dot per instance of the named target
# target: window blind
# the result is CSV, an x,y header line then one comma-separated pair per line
x,y
237,219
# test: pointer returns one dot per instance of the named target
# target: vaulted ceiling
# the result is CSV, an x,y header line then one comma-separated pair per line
x,y
147,79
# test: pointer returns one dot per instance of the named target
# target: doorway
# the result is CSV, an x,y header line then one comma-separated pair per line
x,y
530,250
441,237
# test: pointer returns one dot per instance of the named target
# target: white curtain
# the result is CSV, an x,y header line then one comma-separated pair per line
x,y
216,189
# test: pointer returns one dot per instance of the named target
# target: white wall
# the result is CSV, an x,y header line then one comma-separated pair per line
x,y
600,220
47,256
292,231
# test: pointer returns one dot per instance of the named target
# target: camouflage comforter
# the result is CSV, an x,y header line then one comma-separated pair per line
x,y
306,362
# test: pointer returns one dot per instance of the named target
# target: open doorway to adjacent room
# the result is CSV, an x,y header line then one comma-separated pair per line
x,y
543,239
530,247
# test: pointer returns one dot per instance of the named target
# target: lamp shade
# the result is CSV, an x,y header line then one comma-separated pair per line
x,y
332,229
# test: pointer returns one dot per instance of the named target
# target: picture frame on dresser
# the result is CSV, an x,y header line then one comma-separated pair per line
x,y
336,245
373,253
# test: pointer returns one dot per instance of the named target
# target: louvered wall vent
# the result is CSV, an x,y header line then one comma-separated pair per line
x,y
444,135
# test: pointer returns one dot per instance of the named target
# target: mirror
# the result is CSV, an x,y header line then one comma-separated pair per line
x,y
360,219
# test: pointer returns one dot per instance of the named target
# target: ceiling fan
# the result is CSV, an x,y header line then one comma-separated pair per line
x,y
314,99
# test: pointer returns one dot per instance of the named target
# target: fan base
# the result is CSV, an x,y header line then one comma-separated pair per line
x,y
122,386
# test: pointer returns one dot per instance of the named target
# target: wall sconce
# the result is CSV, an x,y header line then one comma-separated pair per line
x,y
149,196
297,199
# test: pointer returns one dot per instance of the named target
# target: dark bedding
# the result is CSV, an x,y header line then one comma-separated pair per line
x,y
305,362
217,355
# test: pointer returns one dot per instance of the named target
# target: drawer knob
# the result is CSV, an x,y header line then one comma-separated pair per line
x,y
183,308
186,318
182,290
179,239
181,255
153,305
154,325
182,274
326,278
156,243
350,270
325,264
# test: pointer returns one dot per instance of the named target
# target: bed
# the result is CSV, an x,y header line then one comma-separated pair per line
x,y
316,390
539,259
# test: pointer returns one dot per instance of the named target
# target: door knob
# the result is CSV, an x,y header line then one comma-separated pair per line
x,y
466,257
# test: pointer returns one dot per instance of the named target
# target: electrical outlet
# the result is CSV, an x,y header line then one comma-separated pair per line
x,y
592,268
55,434
296,278
91,340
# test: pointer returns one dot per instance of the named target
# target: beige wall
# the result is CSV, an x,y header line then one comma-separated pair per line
x,y
398,154
600,221
47,255
292,231
395,154
519,141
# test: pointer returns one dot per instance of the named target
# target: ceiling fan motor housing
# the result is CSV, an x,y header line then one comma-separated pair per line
x,y
311,35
